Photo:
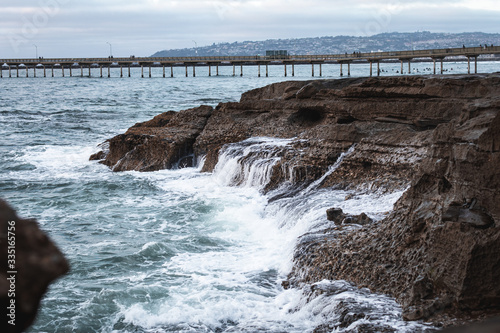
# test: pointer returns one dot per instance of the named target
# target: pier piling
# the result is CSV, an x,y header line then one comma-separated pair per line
x,y
467,53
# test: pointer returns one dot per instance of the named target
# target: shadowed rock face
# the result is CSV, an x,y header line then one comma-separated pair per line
x,y
437,136
38,262
165,142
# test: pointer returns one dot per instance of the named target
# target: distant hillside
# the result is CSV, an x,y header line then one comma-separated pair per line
x,y
340,44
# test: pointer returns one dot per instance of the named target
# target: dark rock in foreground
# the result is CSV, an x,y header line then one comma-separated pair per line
x,y
438,251
36,263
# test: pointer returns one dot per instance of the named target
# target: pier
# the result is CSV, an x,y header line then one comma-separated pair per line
x,y
83,66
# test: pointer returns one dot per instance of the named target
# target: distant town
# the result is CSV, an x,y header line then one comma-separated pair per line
x,y
394,41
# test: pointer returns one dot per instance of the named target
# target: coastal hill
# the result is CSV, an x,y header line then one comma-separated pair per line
x,y
435,137
340,44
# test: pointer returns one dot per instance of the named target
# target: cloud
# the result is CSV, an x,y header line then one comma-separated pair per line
x,y
71,28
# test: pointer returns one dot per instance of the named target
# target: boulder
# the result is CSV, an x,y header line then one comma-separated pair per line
x,y
337,215
30,262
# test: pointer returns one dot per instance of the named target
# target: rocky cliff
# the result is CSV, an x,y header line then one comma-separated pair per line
x,y
438,251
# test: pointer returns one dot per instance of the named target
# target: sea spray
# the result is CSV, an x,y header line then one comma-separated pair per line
x,y
250,163
324,303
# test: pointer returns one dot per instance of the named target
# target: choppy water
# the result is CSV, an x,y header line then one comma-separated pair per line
x,y
166,251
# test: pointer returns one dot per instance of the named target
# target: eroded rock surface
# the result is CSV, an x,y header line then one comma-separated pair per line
x,y
165,142
438,251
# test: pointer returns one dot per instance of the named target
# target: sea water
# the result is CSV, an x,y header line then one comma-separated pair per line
x,y
172,250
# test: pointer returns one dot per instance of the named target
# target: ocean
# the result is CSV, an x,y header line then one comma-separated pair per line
x,y
172,250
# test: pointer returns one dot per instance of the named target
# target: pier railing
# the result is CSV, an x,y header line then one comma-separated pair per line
x,y
345,58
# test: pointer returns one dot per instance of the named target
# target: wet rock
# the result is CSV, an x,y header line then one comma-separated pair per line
x,y
290,92
100,155
471,215
165,142
160,120
487,326
422,288
426,308
37,263
337,215
307,91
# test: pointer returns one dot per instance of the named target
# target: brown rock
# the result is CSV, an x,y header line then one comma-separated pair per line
x,y
307,91
164,142
36,263
337,215
439,255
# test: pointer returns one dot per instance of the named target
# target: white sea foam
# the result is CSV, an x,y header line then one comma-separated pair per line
x,y
242,248
61,159
250,162
290,218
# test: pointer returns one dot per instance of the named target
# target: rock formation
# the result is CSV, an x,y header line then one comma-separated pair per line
x,y
33,263
438,251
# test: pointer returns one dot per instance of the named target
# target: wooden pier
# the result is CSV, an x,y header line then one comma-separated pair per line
x,y
83,66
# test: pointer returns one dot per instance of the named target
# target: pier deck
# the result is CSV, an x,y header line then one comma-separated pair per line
x,y
468,53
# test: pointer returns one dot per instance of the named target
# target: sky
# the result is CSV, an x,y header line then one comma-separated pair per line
x,y
99,28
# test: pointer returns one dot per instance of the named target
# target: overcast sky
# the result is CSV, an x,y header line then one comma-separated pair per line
x,y
94,28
